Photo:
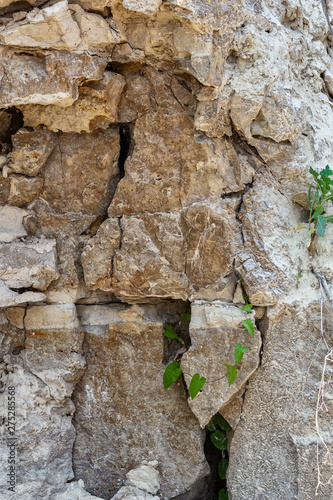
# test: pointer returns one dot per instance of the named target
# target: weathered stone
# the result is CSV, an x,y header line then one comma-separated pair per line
x,y
48,28
132,493
95,31
273,451
215,329
165,431
143,265
28,264
4,190
31,150
10,298
96,107
98,255
12,332
144,6
75,490
44,375
268,218
11,223
145,478
51,78
78,186
23,190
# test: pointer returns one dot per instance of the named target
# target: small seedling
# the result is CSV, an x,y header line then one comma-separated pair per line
x,y
299,276
317,219
247,308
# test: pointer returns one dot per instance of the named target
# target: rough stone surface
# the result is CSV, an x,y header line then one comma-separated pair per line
x,y
145,478
215,329
28,264
30,151
155,154
96,107
44,374
277,433
49,78
165,431
132,493
11,223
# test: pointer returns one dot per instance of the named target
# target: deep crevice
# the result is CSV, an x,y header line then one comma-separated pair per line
x,y
16,123
126,146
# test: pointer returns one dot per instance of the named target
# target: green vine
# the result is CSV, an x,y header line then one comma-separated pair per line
x,y
173,370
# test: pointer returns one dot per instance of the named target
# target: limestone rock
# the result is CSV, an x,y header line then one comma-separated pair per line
x,y
11,223
48,28
78,186
51,78
31,150
215,329
132,350
23,190
144,6
75,491
276,436
44,375
98,255
145,478
266,265
132,493
28,264
10,298
95,31
96,107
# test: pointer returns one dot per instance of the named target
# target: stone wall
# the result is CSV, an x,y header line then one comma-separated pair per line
x,y
154,159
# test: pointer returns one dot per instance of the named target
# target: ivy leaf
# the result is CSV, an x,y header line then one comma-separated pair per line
x,y
210,426
171,374
321,225
247,308
221,422
170,333
249,326
223,494
196,384
222,468
239,351
185,317
232,373
219,440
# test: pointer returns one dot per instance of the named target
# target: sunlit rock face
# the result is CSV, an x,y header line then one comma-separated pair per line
x,y
154,160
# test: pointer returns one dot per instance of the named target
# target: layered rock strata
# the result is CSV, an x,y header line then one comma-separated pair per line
x,y
154,159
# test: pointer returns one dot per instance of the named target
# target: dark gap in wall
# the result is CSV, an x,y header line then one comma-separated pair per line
x,y
171,346
126,146
15,124
213,457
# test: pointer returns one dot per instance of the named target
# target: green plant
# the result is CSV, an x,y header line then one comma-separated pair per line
x,y
218,427
173,370
317,219
299,276
232,370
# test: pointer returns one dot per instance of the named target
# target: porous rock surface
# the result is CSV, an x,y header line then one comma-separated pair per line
x,y
154,157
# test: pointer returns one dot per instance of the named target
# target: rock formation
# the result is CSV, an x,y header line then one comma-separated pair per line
x,y
154,160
